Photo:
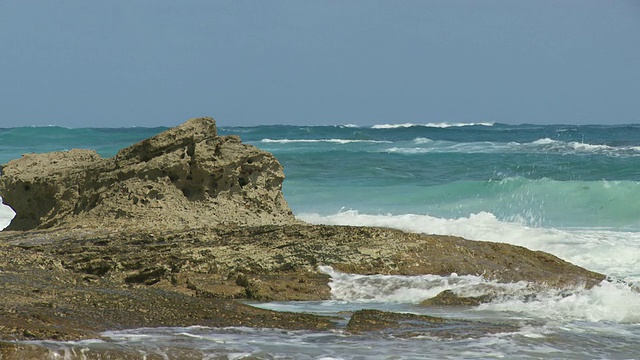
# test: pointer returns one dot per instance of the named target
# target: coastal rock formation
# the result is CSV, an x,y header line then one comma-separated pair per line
x,y
184,177
74,283
172,230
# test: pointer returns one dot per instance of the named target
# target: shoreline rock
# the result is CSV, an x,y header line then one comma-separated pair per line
x,y
174,229
183,278
186,176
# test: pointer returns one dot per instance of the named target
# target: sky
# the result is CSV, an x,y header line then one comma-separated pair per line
x,y
122,63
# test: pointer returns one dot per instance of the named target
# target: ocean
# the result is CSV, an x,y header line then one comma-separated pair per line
x,y
572,191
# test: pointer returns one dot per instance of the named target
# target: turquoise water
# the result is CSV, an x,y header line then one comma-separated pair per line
x,y
554,175
573,191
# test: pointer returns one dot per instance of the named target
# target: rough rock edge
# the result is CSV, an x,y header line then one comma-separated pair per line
x,y
184,177
148,254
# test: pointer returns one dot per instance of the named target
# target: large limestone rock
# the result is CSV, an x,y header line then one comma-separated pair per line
x,y
149,238
184,177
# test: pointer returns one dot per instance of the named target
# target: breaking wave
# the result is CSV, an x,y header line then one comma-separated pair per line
x,y
441,125
541,146
590,248
608,301
336,141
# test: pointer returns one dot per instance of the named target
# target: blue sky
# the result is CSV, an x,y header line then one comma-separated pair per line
x,y
116,63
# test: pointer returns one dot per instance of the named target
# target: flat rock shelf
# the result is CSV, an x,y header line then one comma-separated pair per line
x,y
175,230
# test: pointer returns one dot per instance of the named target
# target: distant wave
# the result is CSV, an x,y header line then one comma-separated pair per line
x,y
432,125
336,141
545,145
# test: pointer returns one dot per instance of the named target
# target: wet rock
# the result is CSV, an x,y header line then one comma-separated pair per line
x,y
171,230
14,351
449,298
39,351
74,283
413,325
52,304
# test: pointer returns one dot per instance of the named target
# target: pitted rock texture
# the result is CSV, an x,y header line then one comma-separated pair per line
x,y
184,177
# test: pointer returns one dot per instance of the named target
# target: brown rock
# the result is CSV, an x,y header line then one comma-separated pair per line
x,y
172,229
14,351
412,325
184,177
448,298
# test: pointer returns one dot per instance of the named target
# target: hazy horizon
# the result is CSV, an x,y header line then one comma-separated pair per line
x,y
245,63
426,124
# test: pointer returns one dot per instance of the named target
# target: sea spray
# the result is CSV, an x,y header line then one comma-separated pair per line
x,y
413,289
607,301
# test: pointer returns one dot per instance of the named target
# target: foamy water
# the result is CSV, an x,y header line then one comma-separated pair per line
x,y
608,301
613,253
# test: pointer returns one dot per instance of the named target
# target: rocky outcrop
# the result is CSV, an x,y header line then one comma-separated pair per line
x,y
184,177
74,283
170,231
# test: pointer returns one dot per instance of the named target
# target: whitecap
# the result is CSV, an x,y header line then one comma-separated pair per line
x,y
590,248
441,125
336,141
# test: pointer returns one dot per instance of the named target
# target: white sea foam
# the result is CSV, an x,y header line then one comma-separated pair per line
x,y
393,126
440,125
6,215
586,148
411,289
568,340
608,301
336,141
544,145
422,140
593,249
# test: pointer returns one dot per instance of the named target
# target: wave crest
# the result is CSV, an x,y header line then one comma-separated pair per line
x,y
591,249
335,141
422,145
607,301
441,125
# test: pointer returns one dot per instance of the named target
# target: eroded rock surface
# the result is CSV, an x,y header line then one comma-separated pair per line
x,y
172,230
405,325
76,282
184,177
